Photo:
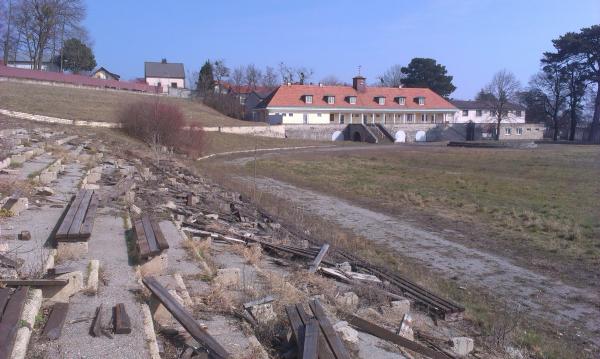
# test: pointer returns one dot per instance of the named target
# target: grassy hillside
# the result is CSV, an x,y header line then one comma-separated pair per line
x,y
96,105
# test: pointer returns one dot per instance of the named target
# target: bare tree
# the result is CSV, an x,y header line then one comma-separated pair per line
x,y
42,25
392,77
269,80
238,76
304,74
502,90
220,71
287,73
331,80
551,86
253,76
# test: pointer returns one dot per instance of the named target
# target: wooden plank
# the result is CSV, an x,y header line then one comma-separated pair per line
x,y
63,229
311,340
335,343
375,330
297,328
152,243
80,215
96,328
142,243
10,321
315,264
121,322
264,300
56,321
34,282
185,319
4,296
325,351
88,222
7,262
160,237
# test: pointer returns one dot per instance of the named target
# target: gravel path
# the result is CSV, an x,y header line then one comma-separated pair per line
x,y
536,294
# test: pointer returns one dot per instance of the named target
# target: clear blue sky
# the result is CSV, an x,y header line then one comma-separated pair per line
x,y
472,38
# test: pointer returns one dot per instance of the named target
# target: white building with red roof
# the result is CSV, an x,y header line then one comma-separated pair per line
x,y
318,104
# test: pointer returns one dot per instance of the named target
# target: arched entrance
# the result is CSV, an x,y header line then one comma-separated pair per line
x,y
356,137
420,136
400,137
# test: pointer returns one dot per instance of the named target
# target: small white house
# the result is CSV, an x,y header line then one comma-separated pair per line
x,y
481,112
164,74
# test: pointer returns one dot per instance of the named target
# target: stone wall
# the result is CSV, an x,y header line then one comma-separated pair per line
x,y
315,132
277,131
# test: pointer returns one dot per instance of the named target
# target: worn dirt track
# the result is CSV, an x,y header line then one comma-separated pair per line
x,y
533,293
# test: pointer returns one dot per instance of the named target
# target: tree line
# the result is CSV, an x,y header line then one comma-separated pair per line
x,y
38,30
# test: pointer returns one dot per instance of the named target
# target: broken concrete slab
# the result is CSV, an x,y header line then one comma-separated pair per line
x,y
348,334
348,300
62,294
228,277
263,313
44,191
16,205
462,345
71,250
92,280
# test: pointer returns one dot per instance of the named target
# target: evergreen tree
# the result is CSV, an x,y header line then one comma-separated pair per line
x,y
422,72
76,57
206,79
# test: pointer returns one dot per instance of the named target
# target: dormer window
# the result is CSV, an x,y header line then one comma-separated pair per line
x,y
380,100
308,99
420,100
352,100
330,99
401,100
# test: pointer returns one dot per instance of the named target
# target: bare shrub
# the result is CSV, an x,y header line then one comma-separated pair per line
x,y
227,104
161,125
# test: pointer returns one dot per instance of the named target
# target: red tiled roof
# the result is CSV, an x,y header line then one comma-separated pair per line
x,y
293,96
244,89
13,72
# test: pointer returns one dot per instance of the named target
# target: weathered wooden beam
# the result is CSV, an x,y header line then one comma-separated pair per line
x,y
56,321
185,319
4,296
375,330
297,328
96,328
34,282
325,351
63,230
160,237
150,237
331,336
264,300
315,264
142,243
88,222
80,214
121,321
10,321
311,340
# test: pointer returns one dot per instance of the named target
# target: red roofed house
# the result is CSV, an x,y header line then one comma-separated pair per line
x,y
318,104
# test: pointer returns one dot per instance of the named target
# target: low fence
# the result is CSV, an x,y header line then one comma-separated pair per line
x,y
74,80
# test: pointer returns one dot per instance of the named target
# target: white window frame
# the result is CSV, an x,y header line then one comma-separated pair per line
x,y
352,100
409,117
421,100
508,131
465,113
308,99
478,113
401,100
331,100
318,115
519,131
381,101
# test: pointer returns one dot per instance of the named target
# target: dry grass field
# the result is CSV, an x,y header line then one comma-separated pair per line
x,y
539,206
96,105
225,142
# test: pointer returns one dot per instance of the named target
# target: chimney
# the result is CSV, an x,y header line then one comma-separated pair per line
x,y
359,83
320,84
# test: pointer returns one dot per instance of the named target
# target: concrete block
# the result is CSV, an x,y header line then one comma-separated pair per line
x,y
227,277
156,265
18,159
93,177
130,196
348,300
90,186
30,312
25,236
348,335
462,345
17,206
47,177
92,280
44,191
263,313
62,294
71,250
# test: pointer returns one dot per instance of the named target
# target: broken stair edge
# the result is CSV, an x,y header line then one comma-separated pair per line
x,y
30,311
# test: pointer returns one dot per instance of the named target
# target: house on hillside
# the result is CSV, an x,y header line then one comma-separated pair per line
x,y
252,101
242,92
164,74
104,74
22,63
359,103
481,112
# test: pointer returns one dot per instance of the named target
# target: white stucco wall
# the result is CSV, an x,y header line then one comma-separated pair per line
x,y
165,82
486,117
292,117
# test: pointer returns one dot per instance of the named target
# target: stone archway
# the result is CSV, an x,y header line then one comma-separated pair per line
x,y
420,136
356,137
